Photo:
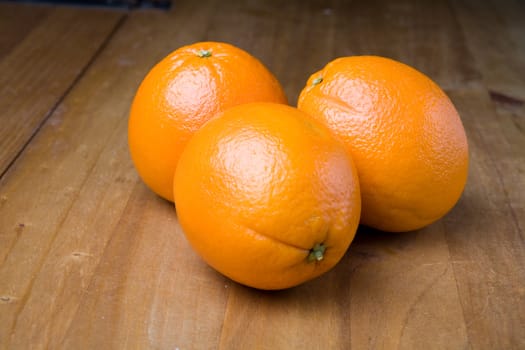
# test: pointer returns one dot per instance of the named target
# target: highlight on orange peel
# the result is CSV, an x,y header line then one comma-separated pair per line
x,y
403,132
267,196
181,93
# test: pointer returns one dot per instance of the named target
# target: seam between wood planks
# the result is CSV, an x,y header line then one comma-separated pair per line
x,y
82,72
66,92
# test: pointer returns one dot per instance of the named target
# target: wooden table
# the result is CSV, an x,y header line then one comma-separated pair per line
x,y
91,259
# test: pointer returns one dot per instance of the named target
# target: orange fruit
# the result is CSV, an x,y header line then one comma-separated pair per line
x,y
404,135
267,197
182,92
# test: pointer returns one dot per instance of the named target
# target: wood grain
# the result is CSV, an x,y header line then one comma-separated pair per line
x,y
384,294
489,251
61,181
491,274
51,54
384,312
17,21
90,258
495,38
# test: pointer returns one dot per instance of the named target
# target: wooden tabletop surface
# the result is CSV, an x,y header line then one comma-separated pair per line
x,y
91,259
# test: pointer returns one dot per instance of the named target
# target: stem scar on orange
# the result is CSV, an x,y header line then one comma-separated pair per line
x,y
267,196
182,92
404,135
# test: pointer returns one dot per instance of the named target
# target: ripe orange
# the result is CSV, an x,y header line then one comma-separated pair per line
x,y
403,132
267,197
181,93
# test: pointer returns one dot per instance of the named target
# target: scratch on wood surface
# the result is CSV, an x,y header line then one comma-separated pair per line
x,y
499,97
8,299
81,254
421,295
365,255
19,229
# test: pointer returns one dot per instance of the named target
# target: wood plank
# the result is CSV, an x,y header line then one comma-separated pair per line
x,y
150,289
60,240
400,289
388,292
404,30
16,21
494,32
490,274
489,251
280,35
89,257
423,35
43,66
61,203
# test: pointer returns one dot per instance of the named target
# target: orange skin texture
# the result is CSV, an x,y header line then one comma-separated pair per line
x,y
404,134
181,93
258,187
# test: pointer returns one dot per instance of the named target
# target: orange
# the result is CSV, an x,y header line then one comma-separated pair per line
x,y
267,197
404,135
181,93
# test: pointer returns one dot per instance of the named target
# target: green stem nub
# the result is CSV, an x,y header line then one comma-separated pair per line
x,y
204,53
317,80
317,252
